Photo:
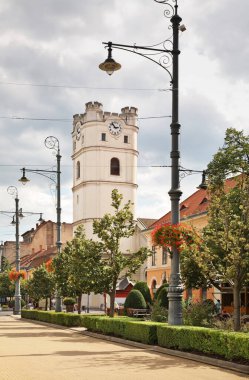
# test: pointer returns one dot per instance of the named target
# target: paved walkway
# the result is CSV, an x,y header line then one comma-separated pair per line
x,y
30,351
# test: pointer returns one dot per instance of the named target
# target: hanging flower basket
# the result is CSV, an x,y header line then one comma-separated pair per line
x,y
14,275
172,236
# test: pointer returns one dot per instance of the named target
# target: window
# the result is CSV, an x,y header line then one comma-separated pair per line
x,y
126,139
103,136
82,139
153,256
164,256
74,145
115,167
78,169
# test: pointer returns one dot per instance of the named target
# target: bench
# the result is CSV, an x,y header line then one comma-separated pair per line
x,y
144,313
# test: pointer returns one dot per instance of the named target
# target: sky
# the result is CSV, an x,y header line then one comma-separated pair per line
x,y
49,56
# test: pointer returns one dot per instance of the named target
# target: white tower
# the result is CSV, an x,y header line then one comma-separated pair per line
x,y
104,157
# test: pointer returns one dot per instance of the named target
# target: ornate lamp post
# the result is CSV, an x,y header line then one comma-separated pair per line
x,y
51,142
12,190
164,57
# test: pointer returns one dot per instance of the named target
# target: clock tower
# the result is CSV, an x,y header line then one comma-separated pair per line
x,y
104,158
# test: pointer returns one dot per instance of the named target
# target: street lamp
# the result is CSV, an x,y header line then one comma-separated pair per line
x,y
12,190
51,142
164,57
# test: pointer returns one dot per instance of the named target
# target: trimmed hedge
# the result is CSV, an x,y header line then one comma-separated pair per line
x,y
124,327
229,345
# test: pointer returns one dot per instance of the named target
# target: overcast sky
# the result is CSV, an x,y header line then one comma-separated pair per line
x,y
49,56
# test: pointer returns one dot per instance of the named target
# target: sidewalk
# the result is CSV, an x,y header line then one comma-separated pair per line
x,y
30,351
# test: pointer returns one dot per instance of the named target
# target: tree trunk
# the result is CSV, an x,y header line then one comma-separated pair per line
x,y
236,304
46,304
79,303
112,299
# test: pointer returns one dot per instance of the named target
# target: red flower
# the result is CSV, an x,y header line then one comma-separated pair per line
x,y
14,274
172,235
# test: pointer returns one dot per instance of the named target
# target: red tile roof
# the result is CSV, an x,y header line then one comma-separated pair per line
x,y
194,205
38,258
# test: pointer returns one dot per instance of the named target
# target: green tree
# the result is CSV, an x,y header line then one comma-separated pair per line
x,y
110,229
83,270
41,285
7,287
5,265
223,255
226,236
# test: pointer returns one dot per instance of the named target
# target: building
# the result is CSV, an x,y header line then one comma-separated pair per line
x,y
105,158
193,213
38,245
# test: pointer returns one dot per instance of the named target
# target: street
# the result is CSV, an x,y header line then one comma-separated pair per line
x,y
30,351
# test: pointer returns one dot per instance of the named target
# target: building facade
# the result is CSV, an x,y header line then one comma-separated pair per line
x,y
105,158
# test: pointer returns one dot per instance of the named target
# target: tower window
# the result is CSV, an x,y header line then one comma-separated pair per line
x,y
103,136
78,169
115,166
126,139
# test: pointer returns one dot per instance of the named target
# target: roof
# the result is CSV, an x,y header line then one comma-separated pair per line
x,y
124,283
196,204
38,258
146,222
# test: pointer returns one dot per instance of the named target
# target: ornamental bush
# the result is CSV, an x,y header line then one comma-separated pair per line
x,y
159,313
144,289
198,314
69,301
162,298
135,300
165,284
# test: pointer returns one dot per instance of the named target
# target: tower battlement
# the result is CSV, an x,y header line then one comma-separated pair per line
x,y
94,112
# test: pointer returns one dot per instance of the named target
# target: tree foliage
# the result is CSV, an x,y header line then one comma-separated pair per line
x,y
41,285
223,255
78,268
7,287
110,229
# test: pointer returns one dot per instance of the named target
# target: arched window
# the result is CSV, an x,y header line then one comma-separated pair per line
x,y
115,167
78,169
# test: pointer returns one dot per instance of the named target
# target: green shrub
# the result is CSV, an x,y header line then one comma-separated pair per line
x,y
123,327
135,300
144,289
229,345
69,301
159,313
198,314
162,298
164,285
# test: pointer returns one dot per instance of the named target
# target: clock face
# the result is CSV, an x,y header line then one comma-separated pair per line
x,y
78,130
115,128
